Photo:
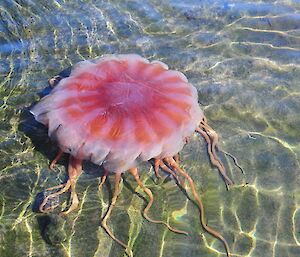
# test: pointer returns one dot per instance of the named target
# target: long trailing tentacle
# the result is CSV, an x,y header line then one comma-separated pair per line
x,y
234,160
214,144
74,170
156,167
57,157
215,139
211,139
160,164
174,165
176,158
135,174
65,186
106,173
110,208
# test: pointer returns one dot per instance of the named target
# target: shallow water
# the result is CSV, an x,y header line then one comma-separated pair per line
x,y
244,59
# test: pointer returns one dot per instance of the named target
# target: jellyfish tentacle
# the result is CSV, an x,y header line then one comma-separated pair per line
x,y
57,157
214,159
74,171
167,169
110,208
174,165
215,140
135,174
55,187
176,158
53,81
106,173
214,144
156,167
234,160
65,186
172,172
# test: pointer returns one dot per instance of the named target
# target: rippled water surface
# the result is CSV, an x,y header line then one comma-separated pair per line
x,y
244,59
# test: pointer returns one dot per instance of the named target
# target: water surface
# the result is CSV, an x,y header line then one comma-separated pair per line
x,y
244,59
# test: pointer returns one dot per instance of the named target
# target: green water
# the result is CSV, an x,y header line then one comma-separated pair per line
x,y
244,59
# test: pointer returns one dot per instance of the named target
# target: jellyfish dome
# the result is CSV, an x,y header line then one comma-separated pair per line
x,y
119,110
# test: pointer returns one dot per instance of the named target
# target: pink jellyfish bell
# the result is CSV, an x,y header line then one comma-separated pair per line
x,y
118,111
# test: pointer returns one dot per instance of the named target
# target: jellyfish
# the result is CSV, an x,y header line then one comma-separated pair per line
x,y
118,111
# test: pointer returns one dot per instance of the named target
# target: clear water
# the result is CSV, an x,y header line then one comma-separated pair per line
x,y
244,59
